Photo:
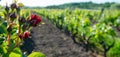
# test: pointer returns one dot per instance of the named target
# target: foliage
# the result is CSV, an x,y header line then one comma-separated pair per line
x,y
114,52
83,5
36,54
95,29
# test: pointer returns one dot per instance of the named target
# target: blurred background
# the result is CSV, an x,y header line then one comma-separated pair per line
x,y
61,4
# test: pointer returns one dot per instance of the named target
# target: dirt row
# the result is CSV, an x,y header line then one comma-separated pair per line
x,y
55,43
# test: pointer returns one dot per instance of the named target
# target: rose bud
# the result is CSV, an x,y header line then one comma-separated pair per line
x,y
18,9
13,16
25,26
20,36
26,34
13,6
35,20
9,29
22,20
7,9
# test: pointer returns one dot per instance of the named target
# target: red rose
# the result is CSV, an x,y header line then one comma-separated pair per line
x,y
34,19
26,34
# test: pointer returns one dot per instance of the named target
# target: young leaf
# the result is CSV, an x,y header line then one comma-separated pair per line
x,y
16,53
37,54
21,4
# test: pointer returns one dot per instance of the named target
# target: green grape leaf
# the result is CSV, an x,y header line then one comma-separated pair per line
x,y
2,29
16,53
1,40
37,54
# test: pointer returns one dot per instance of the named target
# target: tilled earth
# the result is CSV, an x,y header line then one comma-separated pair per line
x,y
54,43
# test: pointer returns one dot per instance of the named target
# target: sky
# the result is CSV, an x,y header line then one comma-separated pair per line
x,y
44,3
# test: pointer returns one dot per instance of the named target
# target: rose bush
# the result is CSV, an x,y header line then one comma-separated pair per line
x,y
14,21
